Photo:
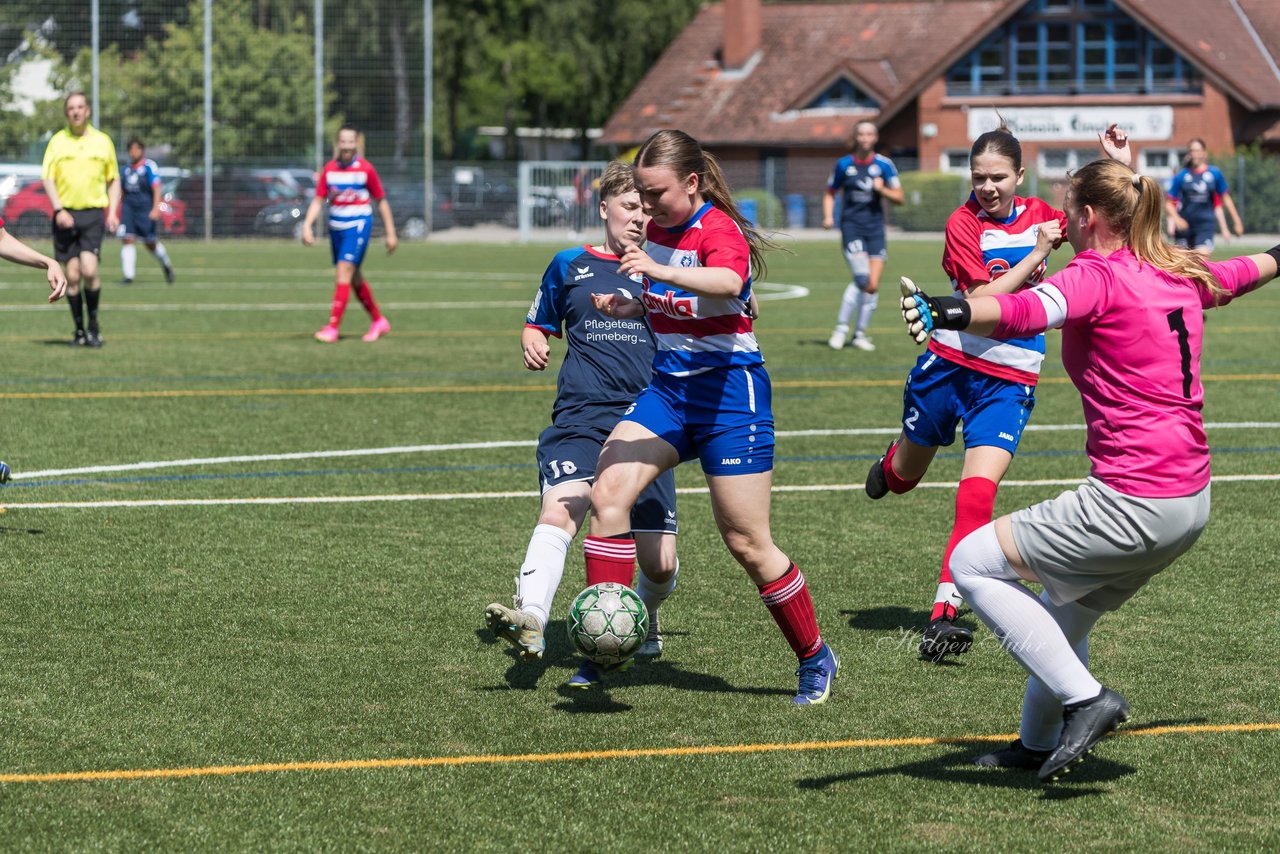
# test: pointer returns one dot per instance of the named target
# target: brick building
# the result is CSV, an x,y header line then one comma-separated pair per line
x,y
775,89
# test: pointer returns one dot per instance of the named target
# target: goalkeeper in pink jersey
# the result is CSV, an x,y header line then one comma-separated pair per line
x,y
1130,308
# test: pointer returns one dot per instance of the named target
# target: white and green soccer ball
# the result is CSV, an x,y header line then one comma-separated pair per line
x,y
608,622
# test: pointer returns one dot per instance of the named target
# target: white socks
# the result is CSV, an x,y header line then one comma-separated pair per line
x,y
848,303
866,307
653,595
947,593
542,570
1041,711
1025,627
129,259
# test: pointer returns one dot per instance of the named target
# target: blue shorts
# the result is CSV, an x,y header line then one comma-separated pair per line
x,y
939,394
566,455
723,417
856,240
349,244
1197,235
137,222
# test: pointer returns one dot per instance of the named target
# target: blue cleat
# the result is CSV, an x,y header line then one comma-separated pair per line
x,y
590,673
816,673
4,472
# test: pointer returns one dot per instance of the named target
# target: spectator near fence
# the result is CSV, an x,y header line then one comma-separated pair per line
x,y
82,180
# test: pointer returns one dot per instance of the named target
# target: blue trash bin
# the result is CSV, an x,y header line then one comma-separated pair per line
x,y
796,210
749,210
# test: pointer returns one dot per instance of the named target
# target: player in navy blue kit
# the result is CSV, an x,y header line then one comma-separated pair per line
x,y
1197,196
607,362
864,180
139,210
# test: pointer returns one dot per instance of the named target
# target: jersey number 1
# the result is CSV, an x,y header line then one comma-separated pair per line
x,y
1184,346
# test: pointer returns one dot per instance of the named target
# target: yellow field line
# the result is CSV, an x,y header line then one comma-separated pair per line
x,y
572,756
479,389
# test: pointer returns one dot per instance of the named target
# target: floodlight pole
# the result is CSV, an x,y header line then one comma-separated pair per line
x,y
208,119
318,160
95,38
428,118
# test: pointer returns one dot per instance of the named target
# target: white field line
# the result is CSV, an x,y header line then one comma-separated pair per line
x,y
519,443
526,494
767,291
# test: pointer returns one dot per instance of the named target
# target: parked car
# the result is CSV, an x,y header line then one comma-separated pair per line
x,y
406,200
247,202
27,213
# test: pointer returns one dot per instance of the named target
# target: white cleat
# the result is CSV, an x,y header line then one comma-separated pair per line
x,y
652,646
863,343
836,341
518,627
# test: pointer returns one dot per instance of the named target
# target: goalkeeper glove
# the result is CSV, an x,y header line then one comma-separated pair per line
x,y
923,313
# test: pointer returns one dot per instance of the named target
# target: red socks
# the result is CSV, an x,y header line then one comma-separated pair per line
x,y
896,484
610,559
366,299
341,295
788,601
975,502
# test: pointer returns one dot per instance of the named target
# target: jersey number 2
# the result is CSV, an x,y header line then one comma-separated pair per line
x,y
1184,346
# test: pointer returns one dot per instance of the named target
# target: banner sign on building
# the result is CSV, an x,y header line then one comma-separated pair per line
x,y
1057,124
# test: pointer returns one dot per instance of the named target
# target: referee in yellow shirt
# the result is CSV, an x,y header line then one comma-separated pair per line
x,y
82,177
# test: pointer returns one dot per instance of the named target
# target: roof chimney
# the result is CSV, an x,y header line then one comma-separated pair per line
x,y
741,32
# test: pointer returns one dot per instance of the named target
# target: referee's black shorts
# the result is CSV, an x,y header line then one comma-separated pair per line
x,y
85,234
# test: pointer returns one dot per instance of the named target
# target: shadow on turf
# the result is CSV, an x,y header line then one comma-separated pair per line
x,y
10,529
560,653
903,629
958,767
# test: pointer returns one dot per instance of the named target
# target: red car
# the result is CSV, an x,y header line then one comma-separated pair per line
x,y
28,212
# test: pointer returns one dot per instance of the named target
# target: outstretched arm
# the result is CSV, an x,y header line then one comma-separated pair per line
x,y
13,249
1115,144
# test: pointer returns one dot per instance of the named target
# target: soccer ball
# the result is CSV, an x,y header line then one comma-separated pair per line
x,y
608,622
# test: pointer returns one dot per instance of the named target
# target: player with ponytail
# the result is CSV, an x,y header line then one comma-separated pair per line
x,y
1131,311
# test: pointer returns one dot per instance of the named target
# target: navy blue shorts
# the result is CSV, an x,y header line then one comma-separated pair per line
x,y
569,454
723,417
350,244
1197,235
137,222
939,394
856,240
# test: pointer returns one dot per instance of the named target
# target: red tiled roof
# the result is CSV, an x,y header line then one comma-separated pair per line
x,y
1217,38
892,50
884,47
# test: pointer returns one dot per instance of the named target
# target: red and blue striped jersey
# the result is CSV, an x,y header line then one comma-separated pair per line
x,y
979,249
350,189
695,333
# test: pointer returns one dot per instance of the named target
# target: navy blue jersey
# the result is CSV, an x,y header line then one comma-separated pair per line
x,y
607,360
136,180
860,205
1198,194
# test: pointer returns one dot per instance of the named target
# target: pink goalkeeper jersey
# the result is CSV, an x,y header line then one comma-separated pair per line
x,y
1131,342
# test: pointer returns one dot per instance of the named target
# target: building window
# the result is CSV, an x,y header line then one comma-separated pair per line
x,y
1058,162
956,161
843,95
1069,47
1159,162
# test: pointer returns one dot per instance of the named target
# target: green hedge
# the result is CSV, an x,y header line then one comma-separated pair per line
x,y
931,197
768,208
1257,193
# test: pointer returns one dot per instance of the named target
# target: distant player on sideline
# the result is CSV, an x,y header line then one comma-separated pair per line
x,y
13,249
139,210
607,362
350,185
82,180
1197,196
864,181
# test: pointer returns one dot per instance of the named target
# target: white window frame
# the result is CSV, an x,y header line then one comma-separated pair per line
x,y
948,158
1075,158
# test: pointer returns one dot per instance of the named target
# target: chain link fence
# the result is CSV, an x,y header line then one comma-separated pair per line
x,y
280,77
